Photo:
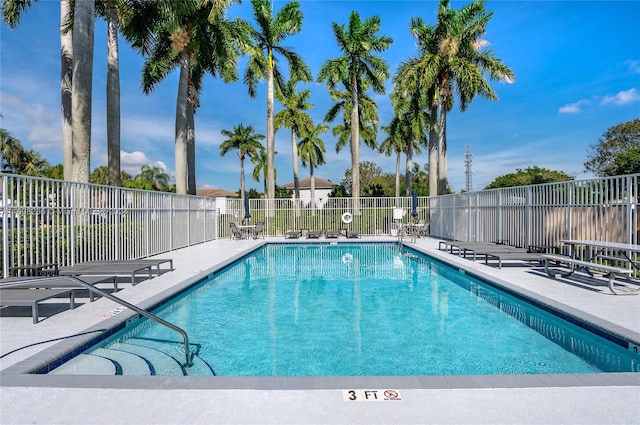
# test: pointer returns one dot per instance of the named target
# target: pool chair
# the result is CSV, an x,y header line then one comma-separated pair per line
x,y
235,232
114,268
258,230
353,234
314,234
32,297
59,282
332,234
292,234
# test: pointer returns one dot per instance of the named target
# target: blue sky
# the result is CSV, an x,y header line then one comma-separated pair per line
x,y
577,66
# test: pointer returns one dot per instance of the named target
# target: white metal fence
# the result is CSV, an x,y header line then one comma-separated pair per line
x,y
53,221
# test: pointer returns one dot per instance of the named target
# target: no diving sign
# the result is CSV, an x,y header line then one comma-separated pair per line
x,y
371,395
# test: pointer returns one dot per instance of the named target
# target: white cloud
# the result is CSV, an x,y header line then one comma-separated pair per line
x,y
132,162
573,108
634,66
622,98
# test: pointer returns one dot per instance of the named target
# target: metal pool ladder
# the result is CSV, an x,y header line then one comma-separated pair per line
x,y
124,303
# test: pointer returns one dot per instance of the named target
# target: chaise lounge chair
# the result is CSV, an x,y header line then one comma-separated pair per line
x,y
58,282
353,234
114,268
33,297
314,234
292,234
154,263
332,234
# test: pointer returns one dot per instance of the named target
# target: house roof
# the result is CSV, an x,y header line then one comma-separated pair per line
x,y
214,193
306,184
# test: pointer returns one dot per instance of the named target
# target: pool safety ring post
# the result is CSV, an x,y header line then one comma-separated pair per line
x,y
347,218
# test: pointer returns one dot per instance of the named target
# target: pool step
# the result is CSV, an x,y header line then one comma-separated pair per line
x,y
135,357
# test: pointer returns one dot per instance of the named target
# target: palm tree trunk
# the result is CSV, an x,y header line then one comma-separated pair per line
x,y
83,34
66,74
294,157
355,146
408,178
433,149
191,148
296,173
442,150
181,125
398,160
313,188
113,97
243,193
271,174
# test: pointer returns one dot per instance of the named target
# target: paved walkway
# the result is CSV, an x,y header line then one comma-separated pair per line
x,y
473,400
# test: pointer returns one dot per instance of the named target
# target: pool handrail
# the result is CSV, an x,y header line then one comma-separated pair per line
x,y
115,299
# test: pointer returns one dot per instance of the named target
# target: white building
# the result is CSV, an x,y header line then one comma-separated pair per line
x,y
323,189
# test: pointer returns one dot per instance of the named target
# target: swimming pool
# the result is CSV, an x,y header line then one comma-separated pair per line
x,y
356,310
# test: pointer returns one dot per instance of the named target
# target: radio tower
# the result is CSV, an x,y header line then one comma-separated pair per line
x,y
468,172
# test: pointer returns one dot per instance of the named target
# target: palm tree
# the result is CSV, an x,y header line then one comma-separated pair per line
x,y
152,178
11,14
260,169
246,142
110,10
358,66
11,152
263,65
83,30
411,122
187,36
451,59
312,152
394,143
33,164
294,117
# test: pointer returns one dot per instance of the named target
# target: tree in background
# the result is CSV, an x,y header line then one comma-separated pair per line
x,y
528,176
81,89
246,142
617,151
312,153
15,159
11,14
452,60
293,116
263,64
357,66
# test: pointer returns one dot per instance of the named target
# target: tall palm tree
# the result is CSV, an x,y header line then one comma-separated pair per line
x,y
312,151
271,31
293,116
185,35
11,14
451,59
411,121
260,169
394,143
110,10
246,142
81,100
357,65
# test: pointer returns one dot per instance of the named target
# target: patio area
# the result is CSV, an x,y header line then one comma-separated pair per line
x,y
566,399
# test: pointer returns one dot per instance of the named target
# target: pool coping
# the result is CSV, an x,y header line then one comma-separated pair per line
x,y
21,374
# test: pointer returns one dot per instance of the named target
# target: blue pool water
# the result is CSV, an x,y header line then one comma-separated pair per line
x,y
369,309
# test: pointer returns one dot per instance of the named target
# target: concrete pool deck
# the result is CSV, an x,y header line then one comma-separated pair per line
x,y
579,399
